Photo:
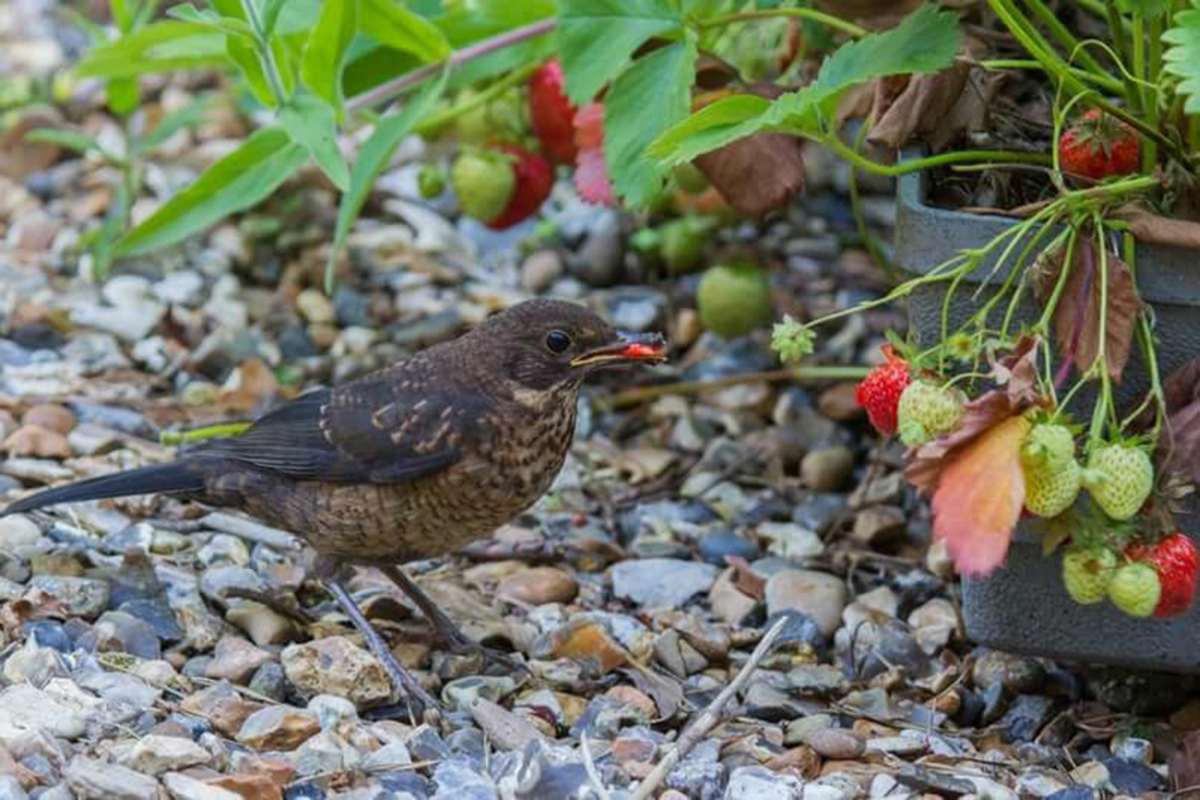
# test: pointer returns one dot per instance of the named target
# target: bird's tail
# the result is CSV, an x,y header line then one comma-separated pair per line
x,y
179,476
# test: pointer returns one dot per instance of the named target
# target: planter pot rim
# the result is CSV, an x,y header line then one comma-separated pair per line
x,y
927,236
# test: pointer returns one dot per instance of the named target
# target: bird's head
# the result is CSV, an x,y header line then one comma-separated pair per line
x,y
547,343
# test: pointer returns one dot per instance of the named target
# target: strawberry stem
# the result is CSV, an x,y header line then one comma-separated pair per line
x,y
773,13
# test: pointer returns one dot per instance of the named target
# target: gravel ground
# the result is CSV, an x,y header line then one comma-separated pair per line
x,y
688,525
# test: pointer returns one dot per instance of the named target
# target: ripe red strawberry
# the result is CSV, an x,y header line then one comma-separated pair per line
x,y
502,184
551,113
1098,146
534,180
1176,560
879,393
591,172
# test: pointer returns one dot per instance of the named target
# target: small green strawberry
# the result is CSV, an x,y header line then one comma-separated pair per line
x,y
734,299
1087,573
484,181
1052,475
1135,589
1119,478
1048,444
431,181
927,411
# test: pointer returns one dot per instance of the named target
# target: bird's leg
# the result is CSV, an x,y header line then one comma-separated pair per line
x,y
449,633
399,675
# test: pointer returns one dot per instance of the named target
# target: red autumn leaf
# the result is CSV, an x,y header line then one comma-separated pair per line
x,y
1016,375
1078,315
979,498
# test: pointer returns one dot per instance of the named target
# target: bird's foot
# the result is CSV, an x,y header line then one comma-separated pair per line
x,y
279,601
428,709
460,644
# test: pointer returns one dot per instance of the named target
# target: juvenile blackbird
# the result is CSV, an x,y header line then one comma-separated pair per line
x,y
409,462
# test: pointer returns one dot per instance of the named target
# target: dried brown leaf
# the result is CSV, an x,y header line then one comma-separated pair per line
x,y
1151,228
748,582
756,174
1184,767
1078,315
873,14
920,108
18,156
1016,375
1179,449
1182,386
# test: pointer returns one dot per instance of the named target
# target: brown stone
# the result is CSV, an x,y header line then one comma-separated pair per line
x,y
839,403
278,728
250,787
221,706
34,441
50,416
539,585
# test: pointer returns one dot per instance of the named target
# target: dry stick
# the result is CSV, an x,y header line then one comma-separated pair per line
x,y
640,394
709,718
386,91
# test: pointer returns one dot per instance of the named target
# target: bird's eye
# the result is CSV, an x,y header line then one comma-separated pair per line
x,y
558,341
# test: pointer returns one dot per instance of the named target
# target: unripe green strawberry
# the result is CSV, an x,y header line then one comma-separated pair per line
x,y
926,411
734,299
1048,445
1135,589
1119,478
484,182
1049,492
431,181
1052,475
1087,573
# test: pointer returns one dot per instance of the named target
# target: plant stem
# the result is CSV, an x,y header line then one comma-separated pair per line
x,y
1064,36
1104,81
860,222
641,394
386,91
265,54
1104,402
769,13
1153,75
953,157
514,78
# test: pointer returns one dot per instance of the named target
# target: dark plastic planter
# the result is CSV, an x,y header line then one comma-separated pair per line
x,y
1023,606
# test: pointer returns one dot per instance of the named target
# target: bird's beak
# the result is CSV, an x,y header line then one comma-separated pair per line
x,y
629,348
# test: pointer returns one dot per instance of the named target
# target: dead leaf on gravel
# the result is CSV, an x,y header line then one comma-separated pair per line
x,y
591,645
747,581
1150,228
20,157
1077,318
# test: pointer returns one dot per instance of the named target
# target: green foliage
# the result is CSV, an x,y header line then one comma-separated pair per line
x,y
1182,56
325,50
311,124
597,37
236,182
652,93
160,47
927,40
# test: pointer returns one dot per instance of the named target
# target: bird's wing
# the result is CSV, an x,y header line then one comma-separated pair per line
x,y
384,428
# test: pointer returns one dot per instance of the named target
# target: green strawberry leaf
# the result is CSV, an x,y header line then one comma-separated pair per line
x,y
644,99
927,40
239,180
1182,55
325,51
393,25
597,37
310,122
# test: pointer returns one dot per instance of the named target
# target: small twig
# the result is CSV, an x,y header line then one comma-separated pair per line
x,y
589,764
640,394
709,717
386,91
